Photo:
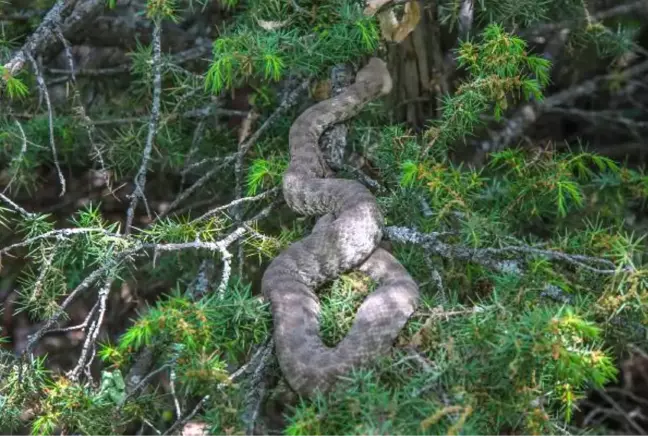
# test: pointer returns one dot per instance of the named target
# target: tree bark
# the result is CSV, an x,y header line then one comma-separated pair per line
x,y
417,66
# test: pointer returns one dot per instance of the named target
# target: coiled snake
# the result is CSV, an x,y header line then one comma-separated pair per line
x,y
345,237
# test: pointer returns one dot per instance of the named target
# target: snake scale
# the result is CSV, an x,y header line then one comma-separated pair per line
x,y
345,237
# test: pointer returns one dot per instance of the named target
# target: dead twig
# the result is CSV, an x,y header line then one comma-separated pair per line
x,y
140,178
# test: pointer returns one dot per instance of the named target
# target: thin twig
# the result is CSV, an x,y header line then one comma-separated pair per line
x,y
44,269
182,422
197,184
601,116
177,58
50,114
622,412
209,160
256,395
20,156
81,326
227,263
257,197
57,234
176,402
140,178
286,104
85,119
142,383
197,136
93,332
18,208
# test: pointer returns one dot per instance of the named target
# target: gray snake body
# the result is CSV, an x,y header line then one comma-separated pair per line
x,y
345,237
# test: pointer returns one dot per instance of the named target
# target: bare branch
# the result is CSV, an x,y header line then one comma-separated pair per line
x,y
43,89
15,206
173,377
84,285
256,395
489,256
210,160
183,421
69,15
257,197
93,332
613,116
142,383
178,58
81,326
57,234
85,119
197,184
140,178
44,269
527,114
197,136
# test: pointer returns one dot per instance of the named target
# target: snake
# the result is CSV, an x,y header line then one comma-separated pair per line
x,y
345,237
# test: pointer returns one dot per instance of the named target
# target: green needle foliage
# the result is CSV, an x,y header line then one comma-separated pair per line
x,y
500,69
271,36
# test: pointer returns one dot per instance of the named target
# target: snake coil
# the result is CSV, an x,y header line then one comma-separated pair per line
x,y
345,237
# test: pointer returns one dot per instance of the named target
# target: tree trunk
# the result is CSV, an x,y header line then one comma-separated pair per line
x,y
417,67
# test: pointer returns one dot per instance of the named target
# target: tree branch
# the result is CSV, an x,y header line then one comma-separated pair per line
x,y
140,178
69,15
527,114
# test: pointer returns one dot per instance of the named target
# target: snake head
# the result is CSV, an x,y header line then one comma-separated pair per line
x,y
376,68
